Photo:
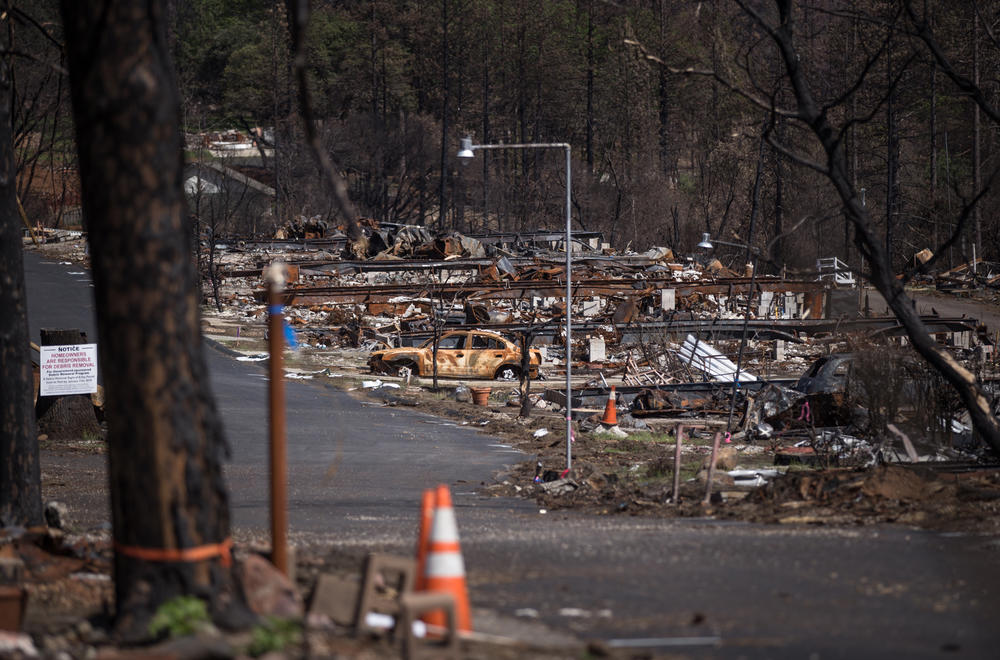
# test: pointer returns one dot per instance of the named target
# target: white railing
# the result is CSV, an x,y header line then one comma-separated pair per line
x,y
836,270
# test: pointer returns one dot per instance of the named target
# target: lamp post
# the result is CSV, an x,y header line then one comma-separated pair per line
x,y
468,150
706,244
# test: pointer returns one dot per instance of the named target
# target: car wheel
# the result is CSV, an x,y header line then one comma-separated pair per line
x,y
507,372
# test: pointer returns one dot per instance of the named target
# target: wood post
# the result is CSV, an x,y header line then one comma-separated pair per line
x,y
276,406
677,463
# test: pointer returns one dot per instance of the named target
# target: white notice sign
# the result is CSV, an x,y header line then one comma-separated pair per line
x,y
68,369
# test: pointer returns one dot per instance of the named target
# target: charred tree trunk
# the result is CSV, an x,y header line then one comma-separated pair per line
x,y
590,87
445,73
892,192
934,162
777,255
663,97
20,477
165,442
976,138
812,115
484,224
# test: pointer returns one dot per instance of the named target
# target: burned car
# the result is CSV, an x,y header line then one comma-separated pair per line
x,y
828,374
460,354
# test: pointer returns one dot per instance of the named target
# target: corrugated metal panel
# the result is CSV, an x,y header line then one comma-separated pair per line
x,y
705,358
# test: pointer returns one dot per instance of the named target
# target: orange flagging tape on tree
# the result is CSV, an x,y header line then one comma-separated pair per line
x,y
198,553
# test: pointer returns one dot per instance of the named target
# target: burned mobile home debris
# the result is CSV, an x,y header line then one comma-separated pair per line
x,y
821,378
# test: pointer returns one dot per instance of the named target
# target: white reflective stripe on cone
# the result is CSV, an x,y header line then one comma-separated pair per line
x,y
445,529
445,565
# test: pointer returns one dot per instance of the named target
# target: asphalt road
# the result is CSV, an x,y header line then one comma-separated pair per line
x,y
766,592
347,460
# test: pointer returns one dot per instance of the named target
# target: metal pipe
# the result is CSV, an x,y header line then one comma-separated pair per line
x,y
711,467
569,318
743,343
677,463
275,280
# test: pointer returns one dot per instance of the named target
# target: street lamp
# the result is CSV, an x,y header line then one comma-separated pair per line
x,y
468,150
706,244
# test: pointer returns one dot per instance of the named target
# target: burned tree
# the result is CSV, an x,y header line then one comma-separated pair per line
x,y
820,114
818,119
298,20
20,478
169,503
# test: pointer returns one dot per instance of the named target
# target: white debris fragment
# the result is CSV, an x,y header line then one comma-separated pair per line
x,y
613,431
252,358
540,433
574,612
12,643
703,356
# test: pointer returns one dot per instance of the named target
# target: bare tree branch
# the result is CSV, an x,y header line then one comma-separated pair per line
x,y
986,26
956,234
791,155
877,108
24,17
708,73
298,19
32,58
967,87
882,275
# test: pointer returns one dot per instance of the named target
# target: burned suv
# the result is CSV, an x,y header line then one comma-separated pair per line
x,y
460,354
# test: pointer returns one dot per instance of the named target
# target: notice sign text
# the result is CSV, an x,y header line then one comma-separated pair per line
x,y
68,369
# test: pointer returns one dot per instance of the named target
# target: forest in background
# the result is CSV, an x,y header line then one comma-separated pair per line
x,y
679,113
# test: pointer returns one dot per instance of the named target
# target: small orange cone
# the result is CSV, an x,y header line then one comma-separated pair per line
x,y
610,412
445,569
426,520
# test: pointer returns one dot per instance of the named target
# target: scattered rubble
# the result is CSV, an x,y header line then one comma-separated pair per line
x,y
821,385
829,423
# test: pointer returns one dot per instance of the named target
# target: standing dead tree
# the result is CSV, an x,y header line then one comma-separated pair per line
x,y
820,120
831,138
298,21
169,503
20,477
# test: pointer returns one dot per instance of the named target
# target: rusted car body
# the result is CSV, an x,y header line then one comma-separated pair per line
x,y
461,354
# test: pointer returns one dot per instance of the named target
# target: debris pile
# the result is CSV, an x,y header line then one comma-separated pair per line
x,y
792,369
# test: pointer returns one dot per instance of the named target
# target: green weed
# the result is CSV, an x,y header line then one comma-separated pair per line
x,y
179,617
274,635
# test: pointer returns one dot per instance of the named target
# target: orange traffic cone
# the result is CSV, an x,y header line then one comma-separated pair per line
x,y
426,520
610,412
445,569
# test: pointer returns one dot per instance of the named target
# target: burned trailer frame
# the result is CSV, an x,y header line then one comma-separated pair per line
x,y
711,329
596,397
527,289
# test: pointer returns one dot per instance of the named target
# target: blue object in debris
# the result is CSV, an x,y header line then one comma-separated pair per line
x,y
290,340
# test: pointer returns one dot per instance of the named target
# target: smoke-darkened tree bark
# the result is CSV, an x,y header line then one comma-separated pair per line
x,y
169,501
20,478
